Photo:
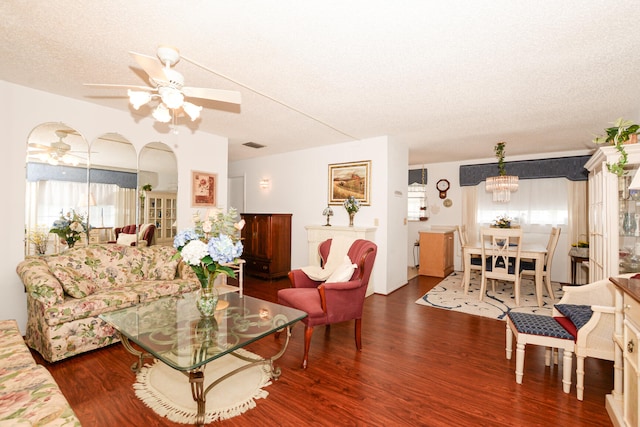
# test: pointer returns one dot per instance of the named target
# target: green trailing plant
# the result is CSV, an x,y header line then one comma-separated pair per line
x,y
499,150
617,135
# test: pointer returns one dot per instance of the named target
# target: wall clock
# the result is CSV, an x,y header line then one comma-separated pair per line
x,y
443,186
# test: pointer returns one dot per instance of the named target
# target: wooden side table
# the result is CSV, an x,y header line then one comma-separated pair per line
x,y
578,256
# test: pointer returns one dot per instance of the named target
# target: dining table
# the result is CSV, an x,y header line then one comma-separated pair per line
x,y
534,251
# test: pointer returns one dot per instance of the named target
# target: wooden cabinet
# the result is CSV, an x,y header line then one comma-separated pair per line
x,y
267,244
160,209
436,253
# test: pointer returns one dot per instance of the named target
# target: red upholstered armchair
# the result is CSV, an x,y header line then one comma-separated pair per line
x,y
131,229
327,303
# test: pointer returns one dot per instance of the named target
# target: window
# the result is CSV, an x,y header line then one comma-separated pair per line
x,y
416,199
537,202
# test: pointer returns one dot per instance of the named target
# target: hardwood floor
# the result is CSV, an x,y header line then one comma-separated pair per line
x,y
419,366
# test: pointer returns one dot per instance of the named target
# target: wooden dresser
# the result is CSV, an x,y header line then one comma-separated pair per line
x,y
436,252
267,244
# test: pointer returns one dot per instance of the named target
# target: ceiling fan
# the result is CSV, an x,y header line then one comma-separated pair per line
x,y
58,151
167,85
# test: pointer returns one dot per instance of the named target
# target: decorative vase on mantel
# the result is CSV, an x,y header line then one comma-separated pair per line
x,y
351,216
207,298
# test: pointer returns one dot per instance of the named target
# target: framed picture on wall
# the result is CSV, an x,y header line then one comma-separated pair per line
x,y
350,179
203,188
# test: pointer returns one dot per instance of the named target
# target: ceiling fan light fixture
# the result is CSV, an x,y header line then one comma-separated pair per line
x,y
161,114
172,98
138,98
192,110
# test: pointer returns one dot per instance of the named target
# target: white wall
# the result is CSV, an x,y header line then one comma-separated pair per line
x,y
299,185
24,108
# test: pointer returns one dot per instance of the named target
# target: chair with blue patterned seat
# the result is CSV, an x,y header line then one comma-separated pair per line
x,y
539,330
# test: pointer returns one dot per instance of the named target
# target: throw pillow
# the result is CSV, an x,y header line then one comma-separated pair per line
x,y
578,314
73,283
343,272
158,262
126,239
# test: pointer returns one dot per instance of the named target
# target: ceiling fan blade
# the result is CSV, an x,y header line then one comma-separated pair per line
x,y
107,85
151,66
230,96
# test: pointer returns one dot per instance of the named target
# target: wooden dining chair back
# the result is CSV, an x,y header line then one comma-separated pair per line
x,y
501,252
528,267
476,260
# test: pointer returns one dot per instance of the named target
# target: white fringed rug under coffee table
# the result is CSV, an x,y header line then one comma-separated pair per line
x,y
449,295
168,392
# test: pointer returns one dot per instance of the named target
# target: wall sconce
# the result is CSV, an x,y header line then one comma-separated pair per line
x,y
264,184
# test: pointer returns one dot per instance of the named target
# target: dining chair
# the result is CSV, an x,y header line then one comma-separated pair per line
x,y
501,252
476,260
528,267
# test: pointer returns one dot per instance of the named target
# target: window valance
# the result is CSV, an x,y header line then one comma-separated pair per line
x,y
415,176
46,172
571,168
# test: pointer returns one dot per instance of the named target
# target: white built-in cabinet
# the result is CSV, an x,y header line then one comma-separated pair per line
x,y
160,208
614,215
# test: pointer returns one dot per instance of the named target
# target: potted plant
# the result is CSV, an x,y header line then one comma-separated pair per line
x,y
622,131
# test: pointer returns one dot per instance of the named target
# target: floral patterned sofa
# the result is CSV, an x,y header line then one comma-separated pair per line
x,y
67,292
29,396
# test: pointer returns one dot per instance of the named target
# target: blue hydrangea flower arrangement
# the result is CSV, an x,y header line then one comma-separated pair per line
x,y
213,242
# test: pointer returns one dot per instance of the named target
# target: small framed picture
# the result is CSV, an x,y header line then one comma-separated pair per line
x,y
350,179
203,188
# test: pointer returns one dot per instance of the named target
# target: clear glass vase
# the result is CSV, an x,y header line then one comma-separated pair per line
x,y
207,298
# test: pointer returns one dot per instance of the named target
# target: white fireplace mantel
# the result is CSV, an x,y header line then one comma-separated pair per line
x,y
317,234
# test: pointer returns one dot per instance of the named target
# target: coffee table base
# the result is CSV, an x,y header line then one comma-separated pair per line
x,y
196,377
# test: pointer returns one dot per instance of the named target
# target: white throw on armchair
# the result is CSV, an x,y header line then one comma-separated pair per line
x,y
595,337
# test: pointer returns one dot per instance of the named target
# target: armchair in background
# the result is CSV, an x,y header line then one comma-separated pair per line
x,y
127,235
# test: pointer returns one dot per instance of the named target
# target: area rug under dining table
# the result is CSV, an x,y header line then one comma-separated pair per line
x,y
449,295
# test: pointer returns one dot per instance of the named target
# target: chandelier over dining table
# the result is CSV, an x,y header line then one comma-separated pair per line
x,y
502,185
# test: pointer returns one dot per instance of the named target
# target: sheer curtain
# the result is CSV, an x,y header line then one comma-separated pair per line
x,y
115,206
537,206
46,200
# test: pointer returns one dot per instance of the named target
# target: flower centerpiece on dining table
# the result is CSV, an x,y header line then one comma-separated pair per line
x,y
502,222
69,227
352,205
208,248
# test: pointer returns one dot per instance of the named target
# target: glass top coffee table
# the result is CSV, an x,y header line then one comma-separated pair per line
x,y
171,330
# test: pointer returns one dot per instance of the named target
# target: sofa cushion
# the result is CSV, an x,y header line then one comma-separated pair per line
x,y
149,290
105,265
31,397
74,283
14,354
153,262
102,301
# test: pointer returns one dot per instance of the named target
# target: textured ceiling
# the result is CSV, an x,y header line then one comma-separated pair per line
x,y
449,79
